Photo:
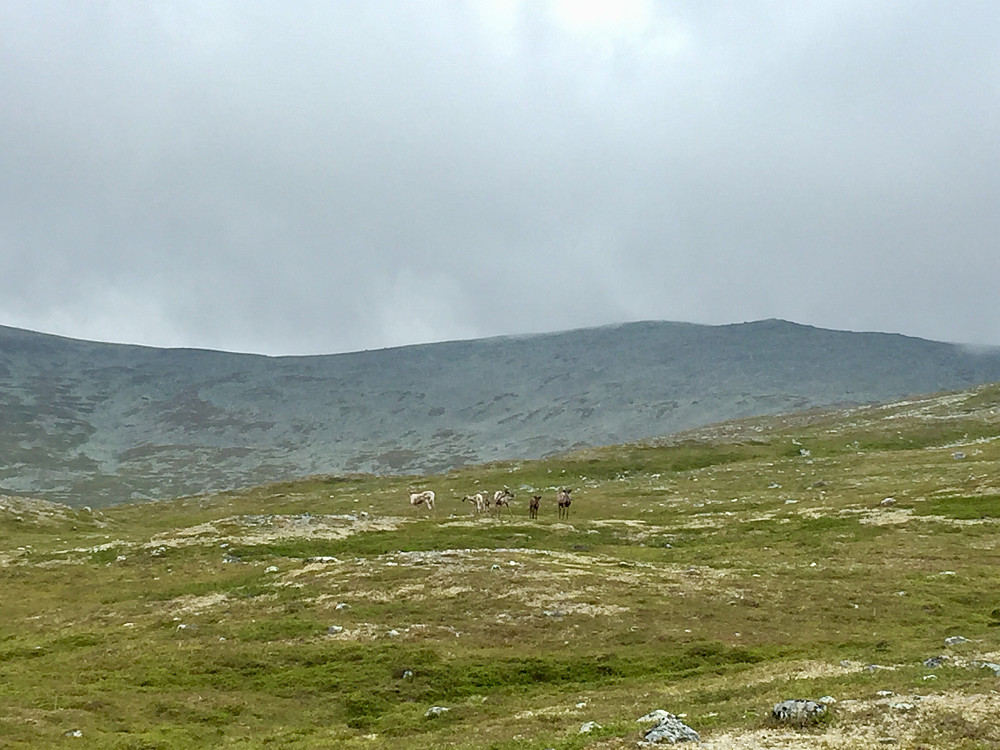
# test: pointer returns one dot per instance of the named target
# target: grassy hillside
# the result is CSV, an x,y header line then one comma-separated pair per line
x,y
712,575
85,423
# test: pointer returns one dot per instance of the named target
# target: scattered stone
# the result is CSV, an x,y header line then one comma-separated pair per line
x,y
887,740
393,633
271,569
435,711
668,729
955,640
230,558
407,674
826,700
875,667
334,629
884,693
797,711
774,486
935,661
958,455
654,716
902,706
888,501
341,605
589,727
73,733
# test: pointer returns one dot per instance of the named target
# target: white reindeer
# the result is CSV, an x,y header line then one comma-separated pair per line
x,y
422,498
478,500
501,500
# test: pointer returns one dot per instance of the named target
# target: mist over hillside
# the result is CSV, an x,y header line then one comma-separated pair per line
x,y
91,423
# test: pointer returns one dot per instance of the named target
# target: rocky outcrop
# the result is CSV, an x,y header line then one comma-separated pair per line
x,y
668,729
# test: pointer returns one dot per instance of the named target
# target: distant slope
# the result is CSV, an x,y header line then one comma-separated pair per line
x,y
89,423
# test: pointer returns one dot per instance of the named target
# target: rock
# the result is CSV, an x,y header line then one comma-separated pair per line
x,y
991,665
668,729
955,640
797,711
902,706
334,629
935,661
435,711
887,502
271,569
589,727
73,733
958,455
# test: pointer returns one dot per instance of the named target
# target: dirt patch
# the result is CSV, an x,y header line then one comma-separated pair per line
x,y
257,530
195,605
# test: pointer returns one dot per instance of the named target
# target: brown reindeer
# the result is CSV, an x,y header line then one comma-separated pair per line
x,y
536,500
564,501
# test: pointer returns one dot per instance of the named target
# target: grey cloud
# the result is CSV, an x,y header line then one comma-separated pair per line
x,y
323,177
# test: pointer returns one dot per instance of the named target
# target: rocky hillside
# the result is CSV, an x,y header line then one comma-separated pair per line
x,y
90,424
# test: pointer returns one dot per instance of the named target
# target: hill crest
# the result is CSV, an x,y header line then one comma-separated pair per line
x,y
93,423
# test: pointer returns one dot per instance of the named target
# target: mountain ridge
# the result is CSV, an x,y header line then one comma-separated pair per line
x,y
95,423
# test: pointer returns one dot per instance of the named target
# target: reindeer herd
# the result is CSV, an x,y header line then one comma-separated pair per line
x,y
494,505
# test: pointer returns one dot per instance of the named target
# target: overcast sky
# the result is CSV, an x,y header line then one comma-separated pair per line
x,y
333,176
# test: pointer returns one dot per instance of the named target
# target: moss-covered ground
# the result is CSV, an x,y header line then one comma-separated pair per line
x,y
711,574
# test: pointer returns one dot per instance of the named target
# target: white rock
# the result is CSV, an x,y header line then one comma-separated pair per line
x,y
589,727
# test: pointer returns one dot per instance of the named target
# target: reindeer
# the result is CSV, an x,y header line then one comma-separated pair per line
x,y
501,500
422,498
478,501
536,500
564,501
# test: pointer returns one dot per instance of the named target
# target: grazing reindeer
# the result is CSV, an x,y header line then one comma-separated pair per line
x,y
501,500
536,500
422,498
564,501
478,501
